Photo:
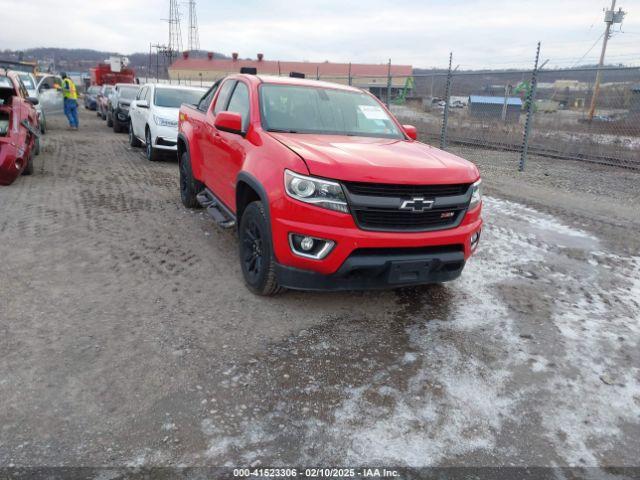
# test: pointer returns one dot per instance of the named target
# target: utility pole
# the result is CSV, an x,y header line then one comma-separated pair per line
x,y
610,17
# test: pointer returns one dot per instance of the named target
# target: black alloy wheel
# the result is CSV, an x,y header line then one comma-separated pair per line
x,y
256,251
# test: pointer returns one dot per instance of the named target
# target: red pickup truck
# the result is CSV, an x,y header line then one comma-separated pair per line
x,y
327,189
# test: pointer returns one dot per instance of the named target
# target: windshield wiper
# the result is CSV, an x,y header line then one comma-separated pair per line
x,y
281,130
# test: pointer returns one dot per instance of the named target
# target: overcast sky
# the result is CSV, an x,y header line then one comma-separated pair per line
x,y
495,33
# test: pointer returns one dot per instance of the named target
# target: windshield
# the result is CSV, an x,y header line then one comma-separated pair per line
x,y
173,97
128,93
107,90
93,90
295,109
28,82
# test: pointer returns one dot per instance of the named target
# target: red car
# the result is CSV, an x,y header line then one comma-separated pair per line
x,y
18,128
327,189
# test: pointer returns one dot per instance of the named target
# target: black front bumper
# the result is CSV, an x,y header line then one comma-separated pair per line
x,y
121,116
371,269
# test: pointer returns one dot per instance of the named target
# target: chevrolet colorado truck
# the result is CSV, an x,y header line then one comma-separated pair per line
x,y
327,190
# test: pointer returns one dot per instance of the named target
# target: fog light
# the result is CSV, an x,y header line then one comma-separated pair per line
x,y
310,247
475,238
306,244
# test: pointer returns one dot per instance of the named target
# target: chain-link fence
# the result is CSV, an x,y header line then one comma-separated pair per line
x,y
489,109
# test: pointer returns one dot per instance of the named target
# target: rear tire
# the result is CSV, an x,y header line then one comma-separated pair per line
x,y
133,140
43,124
152,153
117,126
189,186
256,251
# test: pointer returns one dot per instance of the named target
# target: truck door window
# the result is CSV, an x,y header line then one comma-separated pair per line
x,y
223,96
205,101
239,103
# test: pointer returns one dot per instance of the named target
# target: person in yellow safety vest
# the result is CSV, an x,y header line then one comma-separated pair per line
x,y
70,100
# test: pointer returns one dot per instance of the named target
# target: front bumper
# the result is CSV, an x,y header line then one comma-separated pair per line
x,y
166,138
121,116
366,270
364,258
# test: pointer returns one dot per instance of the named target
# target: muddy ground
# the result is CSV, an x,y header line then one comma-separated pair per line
x,y
128,338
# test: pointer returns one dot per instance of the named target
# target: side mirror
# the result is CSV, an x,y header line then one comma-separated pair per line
x,y
229,122
33,101
142,104
411,131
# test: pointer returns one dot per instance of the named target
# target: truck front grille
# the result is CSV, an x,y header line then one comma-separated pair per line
x,y
373,219
377,206
388,190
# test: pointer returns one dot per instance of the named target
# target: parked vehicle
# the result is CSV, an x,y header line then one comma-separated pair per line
x,y
154,116
50,97
19,128
118,106
102,100
114,70
91,97
327,189
29,81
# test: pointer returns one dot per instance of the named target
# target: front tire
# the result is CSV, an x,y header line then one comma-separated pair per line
x,y
189,186
109,120
152,153
256,251
133,140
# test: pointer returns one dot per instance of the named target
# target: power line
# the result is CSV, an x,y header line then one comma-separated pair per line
x,y
590,48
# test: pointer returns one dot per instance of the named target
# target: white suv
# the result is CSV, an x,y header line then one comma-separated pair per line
x,y
154,116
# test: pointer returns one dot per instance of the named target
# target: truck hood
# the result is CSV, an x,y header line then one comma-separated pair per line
x,y
377,160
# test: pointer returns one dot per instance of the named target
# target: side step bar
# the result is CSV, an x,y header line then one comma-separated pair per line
x,y
218,211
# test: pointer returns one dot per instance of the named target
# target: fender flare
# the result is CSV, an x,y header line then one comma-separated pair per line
x,y
182,137
253,182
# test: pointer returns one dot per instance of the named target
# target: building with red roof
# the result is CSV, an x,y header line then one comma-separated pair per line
x,y
370,76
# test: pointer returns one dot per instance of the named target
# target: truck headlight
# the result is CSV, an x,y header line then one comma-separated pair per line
x,y
317,191
164,122
476,194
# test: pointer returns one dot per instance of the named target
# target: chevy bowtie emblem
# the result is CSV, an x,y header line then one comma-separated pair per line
x,y
417,204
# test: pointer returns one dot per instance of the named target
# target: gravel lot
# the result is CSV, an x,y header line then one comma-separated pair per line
x,y
128,338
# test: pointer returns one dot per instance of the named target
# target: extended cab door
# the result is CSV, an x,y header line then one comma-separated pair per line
x,y
209,145
231,147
